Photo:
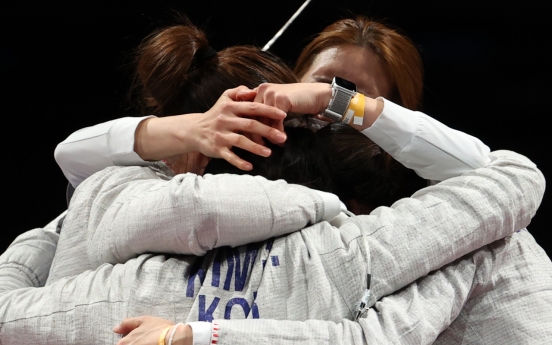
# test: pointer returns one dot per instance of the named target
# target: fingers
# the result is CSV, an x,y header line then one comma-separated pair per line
x,y
248,95
240,93
271,94
236,161
256,109
276,126
127,325
254,127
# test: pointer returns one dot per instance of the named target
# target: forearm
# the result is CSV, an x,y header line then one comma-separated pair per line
x,y
160,138
433,150
189,214
439,224
26,262
80,310
416,315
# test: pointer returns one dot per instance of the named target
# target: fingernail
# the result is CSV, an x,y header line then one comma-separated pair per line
x,y
265,152
248,166
281,137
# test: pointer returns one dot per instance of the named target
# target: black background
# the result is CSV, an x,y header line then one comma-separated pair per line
x,y
63,67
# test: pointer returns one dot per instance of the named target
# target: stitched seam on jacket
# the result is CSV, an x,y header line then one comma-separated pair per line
x,y
58,312
25,270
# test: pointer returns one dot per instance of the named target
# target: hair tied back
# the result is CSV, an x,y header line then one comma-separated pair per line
x,y
207,54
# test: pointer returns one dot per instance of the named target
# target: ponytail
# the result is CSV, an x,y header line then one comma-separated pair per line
x,y
167,61
177,72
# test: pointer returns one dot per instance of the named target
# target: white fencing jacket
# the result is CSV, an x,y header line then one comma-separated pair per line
x,y
317,273
314,277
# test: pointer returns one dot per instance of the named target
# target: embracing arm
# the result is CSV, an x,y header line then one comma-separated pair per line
x,y
192,214
433,150
84,308
441,223
27,260
415,315
499,203
119,213
459,215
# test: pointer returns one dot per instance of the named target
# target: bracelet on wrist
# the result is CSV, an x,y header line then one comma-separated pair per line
x,y
355,110
163,335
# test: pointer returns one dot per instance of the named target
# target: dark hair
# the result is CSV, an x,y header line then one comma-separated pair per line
x,y
177,72
300,161
362,170
396,52
336,159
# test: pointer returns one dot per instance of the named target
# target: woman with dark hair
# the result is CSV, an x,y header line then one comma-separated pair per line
x,y
319,272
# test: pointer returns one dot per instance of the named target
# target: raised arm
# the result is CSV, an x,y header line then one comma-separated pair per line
x,y
425,145
137,141
433,150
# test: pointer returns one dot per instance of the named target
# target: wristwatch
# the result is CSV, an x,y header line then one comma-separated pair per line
x,y
342,92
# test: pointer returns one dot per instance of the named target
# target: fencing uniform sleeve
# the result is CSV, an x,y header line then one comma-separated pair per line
x,y
92,149
425,145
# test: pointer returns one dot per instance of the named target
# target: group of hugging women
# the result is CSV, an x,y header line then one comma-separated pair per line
x,y
239,215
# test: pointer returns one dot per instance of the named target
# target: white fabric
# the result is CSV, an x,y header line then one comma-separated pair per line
x,y
92,149
423,144
121,212
407,135
317,273
27,260
455,160
332,205
201,332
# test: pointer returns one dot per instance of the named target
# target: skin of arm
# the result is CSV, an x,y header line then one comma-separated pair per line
x,y
213,133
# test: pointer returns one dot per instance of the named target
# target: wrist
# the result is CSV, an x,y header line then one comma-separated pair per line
x,y
372,110
325,96
141,140
160,138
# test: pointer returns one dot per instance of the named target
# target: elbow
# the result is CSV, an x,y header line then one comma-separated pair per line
x,y
62,157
